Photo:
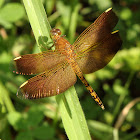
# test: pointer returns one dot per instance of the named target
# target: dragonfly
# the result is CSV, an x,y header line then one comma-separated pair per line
x,y
58,69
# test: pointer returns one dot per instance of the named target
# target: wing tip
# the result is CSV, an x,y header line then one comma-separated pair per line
x,y
116,31
24,84
21,95
19,57
109,9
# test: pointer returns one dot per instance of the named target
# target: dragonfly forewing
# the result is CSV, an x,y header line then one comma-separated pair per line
x,y
49,83
38,63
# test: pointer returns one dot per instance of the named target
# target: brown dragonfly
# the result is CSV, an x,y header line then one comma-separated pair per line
x,y
57,69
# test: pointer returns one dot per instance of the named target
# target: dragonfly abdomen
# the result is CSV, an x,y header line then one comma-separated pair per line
x,y
79,73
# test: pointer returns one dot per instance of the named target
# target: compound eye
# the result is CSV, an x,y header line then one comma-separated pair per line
x,y
55,32
58,31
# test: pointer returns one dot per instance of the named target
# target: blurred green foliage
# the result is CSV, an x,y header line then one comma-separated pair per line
x,y
117,84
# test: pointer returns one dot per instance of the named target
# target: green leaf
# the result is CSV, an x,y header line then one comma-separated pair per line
x,y
44,132
119,89
100,130
126,14
49,6
17,120
106,73
24,135
5,23
12,12
127,59
1,3
95,125
61,7
35,117
131,136
102,4
6,101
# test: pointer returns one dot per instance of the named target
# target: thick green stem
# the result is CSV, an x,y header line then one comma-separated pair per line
x,y
71,112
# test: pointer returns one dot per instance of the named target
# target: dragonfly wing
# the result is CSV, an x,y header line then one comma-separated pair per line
x,y
96,32
49,83
38,63
101,55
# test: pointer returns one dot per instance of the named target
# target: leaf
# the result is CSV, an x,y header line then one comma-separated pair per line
x,y
5,23
100,130
44,132
100,126
126,14
127,59
106,73
1,3
24,135
102,4
35,117
120,89
12,12
17,121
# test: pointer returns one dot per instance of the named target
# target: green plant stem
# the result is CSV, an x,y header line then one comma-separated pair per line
x,y
73,22
115,134
38,20
5,99
122,97
71,112
72,116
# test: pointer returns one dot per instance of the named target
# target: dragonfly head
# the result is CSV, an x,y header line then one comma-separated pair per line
x,y
54,33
